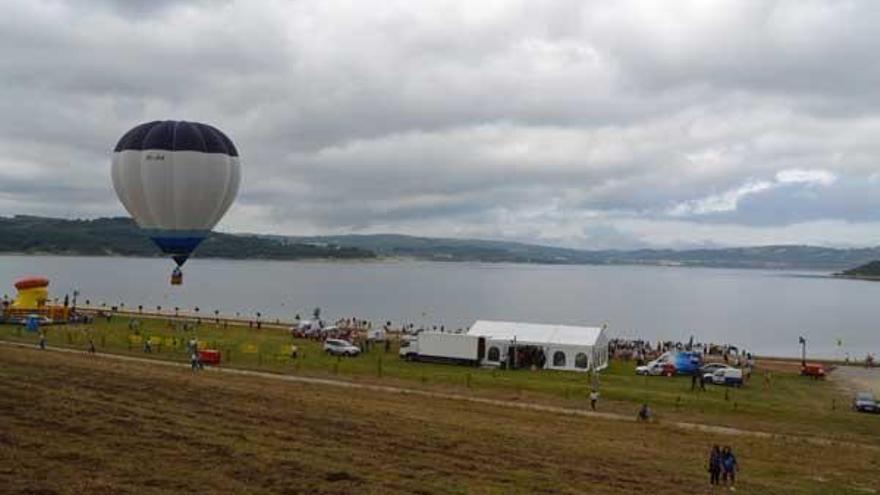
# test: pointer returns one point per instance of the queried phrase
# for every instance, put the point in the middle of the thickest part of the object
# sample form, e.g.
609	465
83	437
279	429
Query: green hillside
867	271
121	237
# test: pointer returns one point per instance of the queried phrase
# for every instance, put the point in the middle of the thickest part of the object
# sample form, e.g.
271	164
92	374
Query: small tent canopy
565	347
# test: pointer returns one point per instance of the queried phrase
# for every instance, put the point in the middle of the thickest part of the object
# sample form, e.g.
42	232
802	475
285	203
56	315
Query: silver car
339	347
713	367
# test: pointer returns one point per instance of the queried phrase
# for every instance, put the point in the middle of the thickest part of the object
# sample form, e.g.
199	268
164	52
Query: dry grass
793	405
83	424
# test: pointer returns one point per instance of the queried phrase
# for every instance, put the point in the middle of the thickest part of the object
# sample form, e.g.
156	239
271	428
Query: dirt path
476	400
857	379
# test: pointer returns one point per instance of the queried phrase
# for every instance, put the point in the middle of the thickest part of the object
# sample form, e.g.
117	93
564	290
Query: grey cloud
577	123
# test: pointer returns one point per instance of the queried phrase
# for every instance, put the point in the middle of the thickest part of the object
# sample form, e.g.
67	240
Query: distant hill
868	271
439	249
122	237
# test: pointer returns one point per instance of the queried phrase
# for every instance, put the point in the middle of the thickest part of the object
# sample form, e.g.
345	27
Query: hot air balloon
176	179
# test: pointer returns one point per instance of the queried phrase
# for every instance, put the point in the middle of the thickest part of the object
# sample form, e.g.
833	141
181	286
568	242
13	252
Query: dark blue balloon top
176	135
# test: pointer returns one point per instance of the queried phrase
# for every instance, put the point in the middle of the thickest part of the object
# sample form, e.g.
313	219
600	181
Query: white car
338	347
654	368
713	367
731	377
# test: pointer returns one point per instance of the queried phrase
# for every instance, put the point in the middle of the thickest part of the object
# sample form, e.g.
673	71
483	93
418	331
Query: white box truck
442	347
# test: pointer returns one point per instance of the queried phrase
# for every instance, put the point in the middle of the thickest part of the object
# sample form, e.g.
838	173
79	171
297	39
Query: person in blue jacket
729	467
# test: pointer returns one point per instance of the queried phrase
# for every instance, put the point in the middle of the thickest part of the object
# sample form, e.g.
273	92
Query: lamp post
514	352
803	342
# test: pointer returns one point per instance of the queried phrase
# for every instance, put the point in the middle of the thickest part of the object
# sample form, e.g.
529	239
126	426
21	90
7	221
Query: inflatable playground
31	303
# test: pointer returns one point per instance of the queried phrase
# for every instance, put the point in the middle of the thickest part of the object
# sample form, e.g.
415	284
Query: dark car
865	402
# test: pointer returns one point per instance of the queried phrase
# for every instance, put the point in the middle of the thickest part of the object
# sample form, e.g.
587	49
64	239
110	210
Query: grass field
74	423
792	404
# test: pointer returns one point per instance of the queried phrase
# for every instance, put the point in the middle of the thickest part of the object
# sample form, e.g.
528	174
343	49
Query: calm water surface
762	310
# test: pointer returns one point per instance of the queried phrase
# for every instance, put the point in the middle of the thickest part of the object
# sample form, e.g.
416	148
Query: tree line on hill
122	237
867	271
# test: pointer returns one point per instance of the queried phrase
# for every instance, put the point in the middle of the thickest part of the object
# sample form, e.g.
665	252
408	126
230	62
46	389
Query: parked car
732	377
712	367
656	368
338	347
816	371
865	402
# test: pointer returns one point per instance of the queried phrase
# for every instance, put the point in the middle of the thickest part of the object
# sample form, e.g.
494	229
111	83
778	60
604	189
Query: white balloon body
176	195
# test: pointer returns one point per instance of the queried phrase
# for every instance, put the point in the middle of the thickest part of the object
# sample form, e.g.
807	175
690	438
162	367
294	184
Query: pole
514	352
803	343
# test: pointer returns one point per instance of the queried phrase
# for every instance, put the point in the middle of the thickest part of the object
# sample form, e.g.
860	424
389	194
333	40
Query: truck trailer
440	347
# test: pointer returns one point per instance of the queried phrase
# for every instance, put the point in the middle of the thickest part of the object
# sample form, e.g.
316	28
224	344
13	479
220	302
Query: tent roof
536	333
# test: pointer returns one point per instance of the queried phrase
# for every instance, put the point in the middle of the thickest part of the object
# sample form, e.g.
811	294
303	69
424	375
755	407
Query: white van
732	377
376	335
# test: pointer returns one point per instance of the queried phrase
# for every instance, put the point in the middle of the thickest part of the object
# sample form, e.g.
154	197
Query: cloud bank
584	124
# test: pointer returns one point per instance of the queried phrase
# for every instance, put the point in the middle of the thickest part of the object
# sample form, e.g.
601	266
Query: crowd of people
643	351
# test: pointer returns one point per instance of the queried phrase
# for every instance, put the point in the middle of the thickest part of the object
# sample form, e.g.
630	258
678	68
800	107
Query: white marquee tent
565	347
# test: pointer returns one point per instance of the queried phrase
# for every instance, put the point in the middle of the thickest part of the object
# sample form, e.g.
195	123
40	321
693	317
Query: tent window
559	359
580	361
494	354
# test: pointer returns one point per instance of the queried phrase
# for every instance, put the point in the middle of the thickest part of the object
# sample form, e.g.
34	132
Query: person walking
194	362
594	398
42	341
91	346
729	467
714	466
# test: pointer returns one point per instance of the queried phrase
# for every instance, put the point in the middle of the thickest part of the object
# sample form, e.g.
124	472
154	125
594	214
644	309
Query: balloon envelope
177	179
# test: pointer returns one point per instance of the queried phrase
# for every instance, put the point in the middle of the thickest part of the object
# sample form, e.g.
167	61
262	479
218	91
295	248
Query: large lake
764	311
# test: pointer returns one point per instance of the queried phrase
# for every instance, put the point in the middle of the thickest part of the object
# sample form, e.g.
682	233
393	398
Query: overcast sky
608	124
